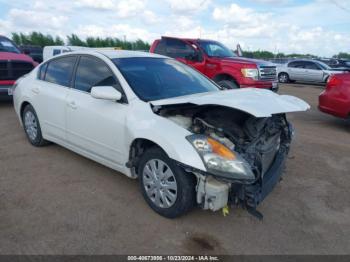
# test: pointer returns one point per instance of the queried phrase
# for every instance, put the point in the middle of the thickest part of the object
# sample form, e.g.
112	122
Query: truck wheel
227	84
32	127
167	189
283	78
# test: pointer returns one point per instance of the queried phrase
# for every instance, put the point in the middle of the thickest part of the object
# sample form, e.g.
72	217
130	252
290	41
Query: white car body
104	130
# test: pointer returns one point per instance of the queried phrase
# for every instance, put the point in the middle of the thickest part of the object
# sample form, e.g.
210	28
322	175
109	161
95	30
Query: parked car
34	51
338	64
305	70
13	64
218	62
156	119
335	100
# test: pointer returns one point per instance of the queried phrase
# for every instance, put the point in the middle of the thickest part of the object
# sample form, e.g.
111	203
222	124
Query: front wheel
167	189
283	78
227	84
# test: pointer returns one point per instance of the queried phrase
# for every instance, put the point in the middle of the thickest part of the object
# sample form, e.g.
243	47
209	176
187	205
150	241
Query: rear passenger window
178	49
59	71
93	72
161	48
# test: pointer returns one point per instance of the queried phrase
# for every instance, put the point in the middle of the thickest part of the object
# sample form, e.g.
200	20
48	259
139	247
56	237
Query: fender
145	124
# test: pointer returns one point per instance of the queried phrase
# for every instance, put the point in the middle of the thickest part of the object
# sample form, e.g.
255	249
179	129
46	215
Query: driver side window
93	72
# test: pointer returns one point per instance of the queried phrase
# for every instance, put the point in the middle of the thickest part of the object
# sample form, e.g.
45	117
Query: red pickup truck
13	65
218	62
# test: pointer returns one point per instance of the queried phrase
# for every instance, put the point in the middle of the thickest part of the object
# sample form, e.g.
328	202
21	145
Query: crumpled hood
254	101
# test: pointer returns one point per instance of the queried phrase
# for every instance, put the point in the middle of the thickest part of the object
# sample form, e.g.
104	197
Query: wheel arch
137	147
23	105
282	72
225	76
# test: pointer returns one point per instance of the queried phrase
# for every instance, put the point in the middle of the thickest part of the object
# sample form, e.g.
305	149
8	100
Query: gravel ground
53	201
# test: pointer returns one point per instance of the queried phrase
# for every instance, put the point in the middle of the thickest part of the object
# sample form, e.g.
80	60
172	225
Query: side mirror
26	51
106	93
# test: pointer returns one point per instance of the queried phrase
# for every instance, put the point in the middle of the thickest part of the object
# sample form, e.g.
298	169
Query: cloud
94	4
117	30
271	2
125	9
188	6
239	16
286	25
29	19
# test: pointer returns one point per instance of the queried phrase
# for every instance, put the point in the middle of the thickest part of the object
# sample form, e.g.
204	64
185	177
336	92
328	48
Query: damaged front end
244	155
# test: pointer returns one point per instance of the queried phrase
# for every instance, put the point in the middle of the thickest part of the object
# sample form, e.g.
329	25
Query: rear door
51	89
313	72
96	127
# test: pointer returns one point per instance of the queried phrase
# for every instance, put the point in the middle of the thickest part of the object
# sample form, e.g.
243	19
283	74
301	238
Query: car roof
304	60
188	39
117	53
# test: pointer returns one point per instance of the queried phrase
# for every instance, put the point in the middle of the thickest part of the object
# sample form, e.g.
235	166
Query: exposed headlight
250	72
220	160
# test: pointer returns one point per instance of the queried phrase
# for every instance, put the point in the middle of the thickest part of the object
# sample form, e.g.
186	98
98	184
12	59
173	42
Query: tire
227	84
32	127
283	78
176	193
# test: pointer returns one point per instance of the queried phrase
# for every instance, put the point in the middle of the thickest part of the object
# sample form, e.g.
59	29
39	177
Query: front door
96	126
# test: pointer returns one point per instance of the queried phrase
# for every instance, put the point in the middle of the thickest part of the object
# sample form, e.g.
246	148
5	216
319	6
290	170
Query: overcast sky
321	27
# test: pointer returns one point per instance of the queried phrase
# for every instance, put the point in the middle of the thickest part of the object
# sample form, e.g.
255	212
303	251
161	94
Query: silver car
305	71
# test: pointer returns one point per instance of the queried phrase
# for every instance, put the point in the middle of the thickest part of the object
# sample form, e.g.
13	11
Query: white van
50	51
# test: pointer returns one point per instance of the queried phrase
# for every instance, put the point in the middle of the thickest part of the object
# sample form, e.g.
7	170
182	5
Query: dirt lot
53	201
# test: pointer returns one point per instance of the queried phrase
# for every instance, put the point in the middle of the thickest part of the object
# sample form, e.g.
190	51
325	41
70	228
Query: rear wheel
283	78
32	127
167	189
228	84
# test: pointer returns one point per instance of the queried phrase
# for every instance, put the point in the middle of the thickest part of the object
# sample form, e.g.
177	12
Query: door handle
35	90
72	105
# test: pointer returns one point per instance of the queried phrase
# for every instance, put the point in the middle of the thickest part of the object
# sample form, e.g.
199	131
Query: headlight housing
220	160
250	72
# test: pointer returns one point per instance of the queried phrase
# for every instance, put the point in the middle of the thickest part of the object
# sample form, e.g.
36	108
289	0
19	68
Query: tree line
39	39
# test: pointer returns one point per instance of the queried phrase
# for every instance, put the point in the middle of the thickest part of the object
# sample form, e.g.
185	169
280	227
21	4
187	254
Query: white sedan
158	120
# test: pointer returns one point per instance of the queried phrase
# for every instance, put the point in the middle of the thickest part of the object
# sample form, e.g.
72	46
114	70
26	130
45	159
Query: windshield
324	66
216	49
8	46
160	78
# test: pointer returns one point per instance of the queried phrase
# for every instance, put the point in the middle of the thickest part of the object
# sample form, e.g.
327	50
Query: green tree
75	40
342	55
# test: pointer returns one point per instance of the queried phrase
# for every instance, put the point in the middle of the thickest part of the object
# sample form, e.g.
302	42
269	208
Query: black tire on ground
283	78
185	183
227	84
35	140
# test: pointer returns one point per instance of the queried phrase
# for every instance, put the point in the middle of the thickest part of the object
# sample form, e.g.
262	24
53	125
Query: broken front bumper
250	196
